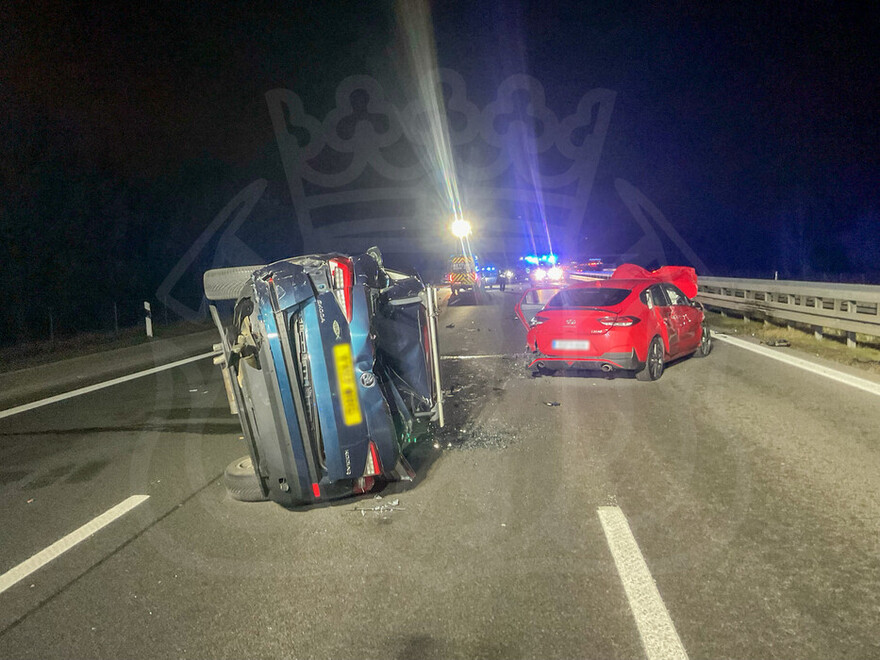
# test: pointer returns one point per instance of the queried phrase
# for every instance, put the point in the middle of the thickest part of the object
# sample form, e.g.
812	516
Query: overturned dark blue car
331	363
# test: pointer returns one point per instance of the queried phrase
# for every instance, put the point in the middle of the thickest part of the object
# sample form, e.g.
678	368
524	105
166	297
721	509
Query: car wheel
705	346
654	364
546	371
242	482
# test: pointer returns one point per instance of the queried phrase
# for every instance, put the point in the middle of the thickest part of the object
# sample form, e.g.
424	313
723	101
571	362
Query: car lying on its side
635	321
331	363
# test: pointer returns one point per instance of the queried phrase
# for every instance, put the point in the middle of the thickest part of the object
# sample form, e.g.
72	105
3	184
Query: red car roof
684	277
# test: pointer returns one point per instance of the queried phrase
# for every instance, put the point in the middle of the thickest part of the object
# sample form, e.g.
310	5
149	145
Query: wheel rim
704	342
655	360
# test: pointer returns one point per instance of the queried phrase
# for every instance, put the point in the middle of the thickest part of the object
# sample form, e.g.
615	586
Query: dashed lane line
25	568
659	637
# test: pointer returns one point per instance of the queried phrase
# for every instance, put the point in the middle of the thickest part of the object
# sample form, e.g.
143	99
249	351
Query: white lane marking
659	638
62	545
854	381
475	357
99	386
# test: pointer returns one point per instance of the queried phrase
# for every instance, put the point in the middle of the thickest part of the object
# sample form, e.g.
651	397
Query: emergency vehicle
462	274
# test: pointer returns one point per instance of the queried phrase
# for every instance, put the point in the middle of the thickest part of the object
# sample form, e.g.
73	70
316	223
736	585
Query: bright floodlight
461	228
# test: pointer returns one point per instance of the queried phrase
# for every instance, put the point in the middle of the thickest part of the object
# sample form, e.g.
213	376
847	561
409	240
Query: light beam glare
417	34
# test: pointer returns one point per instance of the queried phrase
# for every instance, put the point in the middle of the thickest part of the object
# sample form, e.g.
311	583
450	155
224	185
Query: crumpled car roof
684	277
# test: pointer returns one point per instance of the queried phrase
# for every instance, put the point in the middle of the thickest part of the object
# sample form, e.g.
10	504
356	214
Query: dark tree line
76	238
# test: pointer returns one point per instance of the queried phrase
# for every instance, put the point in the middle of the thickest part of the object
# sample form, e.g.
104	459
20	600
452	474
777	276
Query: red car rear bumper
621	361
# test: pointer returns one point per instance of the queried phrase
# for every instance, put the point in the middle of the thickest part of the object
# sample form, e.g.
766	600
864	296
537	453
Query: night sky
127	129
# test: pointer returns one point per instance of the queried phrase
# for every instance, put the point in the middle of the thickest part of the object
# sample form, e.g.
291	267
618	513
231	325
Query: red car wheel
654	364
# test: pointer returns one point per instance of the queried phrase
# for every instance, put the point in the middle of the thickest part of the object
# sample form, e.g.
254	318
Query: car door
533	301
662	312
686	319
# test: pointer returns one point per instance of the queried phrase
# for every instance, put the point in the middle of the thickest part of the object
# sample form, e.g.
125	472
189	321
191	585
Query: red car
636	321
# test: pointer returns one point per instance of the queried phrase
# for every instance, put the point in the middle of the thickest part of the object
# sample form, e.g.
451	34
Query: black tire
654	364
705	346
546	371
242	482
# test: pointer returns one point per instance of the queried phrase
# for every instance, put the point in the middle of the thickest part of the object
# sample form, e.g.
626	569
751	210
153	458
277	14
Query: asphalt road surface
751	488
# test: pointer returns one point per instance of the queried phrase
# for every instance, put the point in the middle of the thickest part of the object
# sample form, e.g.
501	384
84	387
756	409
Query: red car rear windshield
588	298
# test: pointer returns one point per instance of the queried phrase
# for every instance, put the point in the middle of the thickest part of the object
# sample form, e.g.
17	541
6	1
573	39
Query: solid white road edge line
833	374
659	637
99	386
62	545
474	357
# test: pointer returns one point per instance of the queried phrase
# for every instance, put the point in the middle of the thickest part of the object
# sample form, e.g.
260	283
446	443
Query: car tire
242	482
654	364
546	371
705	346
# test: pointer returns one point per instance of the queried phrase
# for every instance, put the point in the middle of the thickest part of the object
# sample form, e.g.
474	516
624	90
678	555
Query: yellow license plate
351	404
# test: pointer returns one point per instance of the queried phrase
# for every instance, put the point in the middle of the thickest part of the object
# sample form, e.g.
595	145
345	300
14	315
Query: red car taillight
342	280
374	463
619	321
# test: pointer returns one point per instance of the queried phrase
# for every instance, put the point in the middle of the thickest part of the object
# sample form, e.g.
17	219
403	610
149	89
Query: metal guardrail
852	308
588	275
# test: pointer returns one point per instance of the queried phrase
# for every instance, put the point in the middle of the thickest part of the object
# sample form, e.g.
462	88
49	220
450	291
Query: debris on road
382	507
454	389
777	342
450	325
552	403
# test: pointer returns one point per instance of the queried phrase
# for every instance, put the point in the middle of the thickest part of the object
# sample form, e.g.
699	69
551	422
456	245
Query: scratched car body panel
332	365
611	324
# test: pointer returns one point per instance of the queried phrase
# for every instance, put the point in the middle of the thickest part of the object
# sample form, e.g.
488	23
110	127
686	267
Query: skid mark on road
659	637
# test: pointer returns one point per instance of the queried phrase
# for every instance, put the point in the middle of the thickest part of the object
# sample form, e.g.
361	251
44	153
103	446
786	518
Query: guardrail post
148	318
851	340
817	332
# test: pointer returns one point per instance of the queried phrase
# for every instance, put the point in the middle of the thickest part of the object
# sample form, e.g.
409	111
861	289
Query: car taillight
619	321
342	279
374	464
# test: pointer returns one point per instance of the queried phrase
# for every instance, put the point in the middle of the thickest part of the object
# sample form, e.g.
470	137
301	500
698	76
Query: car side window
676	297
658	295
